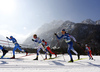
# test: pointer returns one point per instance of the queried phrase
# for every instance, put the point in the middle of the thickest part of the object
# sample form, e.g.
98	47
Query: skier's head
11	37
34	36
86	45
63	31
43	40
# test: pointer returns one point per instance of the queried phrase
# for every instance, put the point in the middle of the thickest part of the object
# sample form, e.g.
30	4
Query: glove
7	37
32	39
19	46
55	34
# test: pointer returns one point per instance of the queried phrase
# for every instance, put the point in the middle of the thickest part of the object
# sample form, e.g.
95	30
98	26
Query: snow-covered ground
60	64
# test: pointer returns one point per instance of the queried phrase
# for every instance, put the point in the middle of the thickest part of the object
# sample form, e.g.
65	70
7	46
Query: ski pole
81	47
42	56
63	57
8	43
60	46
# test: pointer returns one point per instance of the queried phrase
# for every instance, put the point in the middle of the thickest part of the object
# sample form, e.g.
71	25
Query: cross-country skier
4	51
88	50
47	48
16	46
67	39
40	46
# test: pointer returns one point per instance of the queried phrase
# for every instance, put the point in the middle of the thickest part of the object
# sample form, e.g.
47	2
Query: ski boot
50	56
26	53
45	58
13	57
36	58
55	55
78	56
71	60
91	58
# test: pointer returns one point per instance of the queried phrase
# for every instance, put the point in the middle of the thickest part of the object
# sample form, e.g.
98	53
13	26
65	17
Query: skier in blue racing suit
67	39
16	46
4	51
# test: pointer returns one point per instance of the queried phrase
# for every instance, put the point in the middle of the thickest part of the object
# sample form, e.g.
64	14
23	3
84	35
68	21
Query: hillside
83	32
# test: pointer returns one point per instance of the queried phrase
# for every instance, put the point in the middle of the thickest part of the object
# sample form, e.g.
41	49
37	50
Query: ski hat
85	44
11	36
43	40
35	35
63	29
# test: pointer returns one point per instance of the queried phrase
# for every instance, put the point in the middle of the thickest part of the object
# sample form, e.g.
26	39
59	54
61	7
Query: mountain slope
84	33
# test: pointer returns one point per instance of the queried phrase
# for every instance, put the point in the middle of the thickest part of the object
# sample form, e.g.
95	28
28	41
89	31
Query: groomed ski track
27	64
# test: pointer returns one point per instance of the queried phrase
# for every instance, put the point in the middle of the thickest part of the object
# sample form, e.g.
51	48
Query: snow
88	21
59	64
98	22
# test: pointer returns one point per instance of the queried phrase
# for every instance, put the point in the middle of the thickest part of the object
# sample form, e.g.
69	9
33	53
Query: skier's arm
58	36
45	43
73	38
8	38
34	40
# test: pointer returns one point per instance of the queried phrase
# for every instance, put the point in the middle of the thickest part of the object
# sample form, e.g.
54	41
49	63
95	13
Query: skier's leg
74	51
45	51
49	51
4	52
69	49
90	55
38	49
48	48
14	51
19	47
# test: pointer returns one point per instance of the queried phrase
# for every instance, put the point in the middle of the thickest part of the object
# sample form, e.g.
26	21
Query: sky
19	18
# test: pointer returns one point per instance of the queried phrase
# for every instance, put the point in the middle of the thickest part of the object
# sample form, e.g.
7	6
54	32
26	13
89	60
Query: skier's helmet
11	37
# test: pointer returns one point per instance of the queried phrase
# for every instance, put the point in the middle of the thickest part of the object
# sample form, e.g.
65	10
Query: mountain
98	22
89	21
44	32
84	33
2	38
49	26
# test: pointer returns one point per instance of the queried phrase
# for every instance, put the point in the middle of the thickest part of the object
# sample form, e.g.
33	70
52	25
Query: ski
18	57
25	55
77	60
52	58
4	58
